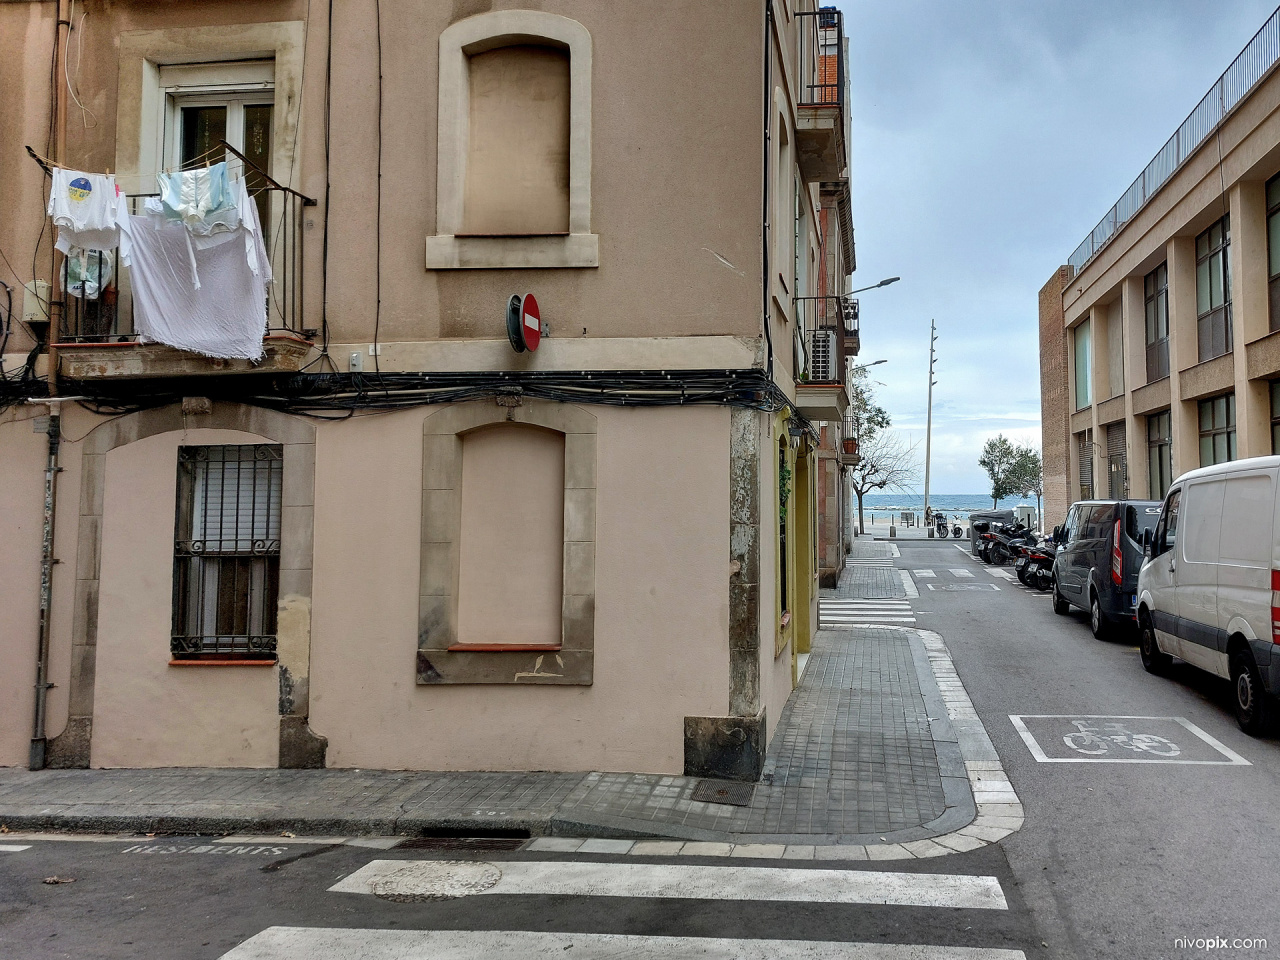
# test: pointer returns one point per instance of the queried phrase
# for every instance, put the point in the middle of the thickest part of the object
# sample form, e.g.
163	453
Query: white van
1209	592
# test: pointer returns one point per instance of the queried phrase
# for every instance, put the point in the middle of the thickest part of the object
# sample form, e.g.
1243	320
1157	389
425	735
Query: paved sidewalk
865	753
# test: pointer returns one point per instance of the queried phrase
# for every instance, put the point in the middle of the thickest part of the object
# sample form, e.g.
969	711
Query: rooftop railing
1253	63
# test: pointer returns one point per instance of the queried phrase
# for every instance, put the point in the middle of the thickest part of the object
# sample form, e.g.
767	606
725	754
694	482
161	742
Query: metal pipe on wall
36	760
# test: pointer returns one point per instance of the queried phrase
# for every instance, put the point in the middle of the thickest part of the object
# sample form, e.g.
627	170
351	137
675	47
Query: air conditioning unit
822	356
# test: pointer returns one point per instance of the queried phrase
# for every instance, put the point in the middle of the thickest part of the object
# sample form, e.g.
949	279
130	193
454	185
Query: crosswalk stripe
14	847
675	881
867	620
843	602
924	573
323	943
962	573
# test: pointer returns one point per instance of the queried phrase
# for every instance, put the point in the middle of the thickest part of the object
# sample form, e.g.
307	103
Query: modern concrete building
396	540
1160	338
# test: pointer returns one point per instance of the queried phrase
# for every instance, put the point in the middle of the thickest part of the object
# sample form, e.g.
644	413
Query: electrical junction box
35	301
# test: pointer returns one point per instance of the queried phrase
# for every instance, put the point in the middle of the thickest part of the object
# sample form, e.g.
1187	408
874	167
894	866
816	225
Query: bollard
931	533
893	532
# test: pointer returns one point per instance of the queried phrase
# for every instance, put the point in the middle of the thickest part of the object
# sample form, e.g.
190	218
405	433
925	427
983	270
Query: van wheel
1252	708
1060	606
1098	622
1154	660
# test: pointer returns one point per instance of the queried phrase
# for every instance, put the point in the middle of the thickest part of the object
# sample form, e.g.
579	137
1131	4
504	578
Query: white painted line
962	573
867	619
697	882
908	584
924	573
324	943
1233	759
944	588
848	602
276	839
14	847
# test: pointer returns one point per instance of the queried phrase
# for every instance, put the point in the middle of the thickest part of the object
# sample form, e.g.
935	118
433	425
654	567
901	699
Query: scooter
1006	541
1035	566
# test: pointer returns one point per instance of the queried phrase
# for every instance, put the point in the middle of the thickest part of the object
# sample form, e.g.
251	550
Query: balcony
847	454
828	334
822	106
95	336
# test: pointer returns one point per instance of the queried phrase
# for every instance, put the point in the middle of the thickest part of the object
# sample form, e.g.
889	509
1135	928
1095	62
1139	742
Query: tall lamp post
928	423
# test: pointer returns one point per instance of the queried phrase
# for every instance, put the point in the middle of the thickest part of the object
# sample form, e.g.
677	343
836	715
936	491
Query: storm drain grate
462	843
724	791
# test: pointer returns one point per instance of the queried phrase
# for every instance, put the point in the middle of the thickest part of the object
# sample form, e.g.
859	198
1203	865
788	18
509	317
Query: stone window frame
440	657
299	746
140	127
489	31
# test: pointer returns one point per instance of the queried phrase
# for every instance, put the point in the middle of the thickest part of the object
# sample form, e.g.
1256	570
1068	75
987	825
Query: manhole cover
462	843
724	791
435	880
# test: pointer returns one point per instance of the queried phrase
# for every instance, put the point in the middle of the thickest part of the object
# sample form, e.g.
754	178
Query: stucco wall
146	712
661	607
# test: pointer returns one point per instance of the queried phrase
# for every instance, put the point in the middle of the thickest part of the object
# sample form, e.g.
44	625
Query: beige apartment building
398	535
1160	338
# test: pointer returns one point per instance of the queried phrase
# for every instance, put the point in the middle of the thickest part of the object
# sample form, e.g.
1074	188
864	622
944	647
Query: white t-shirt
86	208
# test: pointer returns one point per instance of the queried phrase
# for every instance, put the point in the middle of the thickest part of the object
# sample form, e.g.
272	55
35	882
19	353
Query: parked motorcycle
1007	540
940	525
1035	565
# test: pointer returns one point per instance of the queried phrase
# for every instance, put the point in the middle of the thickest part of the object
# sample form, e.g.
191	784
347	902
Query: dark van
1099	552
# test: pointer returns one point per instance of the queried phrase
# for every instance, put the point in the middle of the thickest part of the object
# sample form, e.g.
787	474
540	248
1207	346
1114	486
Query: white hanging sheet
203	294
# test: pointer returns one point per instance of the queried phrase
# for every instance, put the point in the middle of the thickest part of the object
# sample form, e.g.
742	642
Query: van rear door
1195	577
1244	545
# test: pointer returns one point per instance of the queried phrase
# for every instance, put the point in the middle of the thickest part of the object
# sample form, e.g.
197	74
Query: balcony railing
92	303
828	325
847	442
821	78
1237	81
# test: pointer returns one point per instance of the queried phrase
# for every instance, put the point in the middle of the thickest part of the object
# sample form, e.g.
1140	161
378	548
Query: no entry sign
524	323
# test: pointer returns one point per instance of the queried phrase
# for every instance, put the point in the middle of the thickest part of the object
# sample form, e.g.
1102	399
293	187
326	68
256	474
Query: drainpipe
47	561
765	226
51	471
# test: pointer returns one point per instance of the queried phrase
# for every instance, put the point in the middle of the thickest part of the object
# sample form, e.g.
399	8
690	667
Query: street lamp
882	283
864	366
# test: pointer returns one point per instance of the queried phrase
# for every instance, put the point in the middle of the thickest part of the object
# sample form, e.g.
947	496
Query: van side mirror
1057	534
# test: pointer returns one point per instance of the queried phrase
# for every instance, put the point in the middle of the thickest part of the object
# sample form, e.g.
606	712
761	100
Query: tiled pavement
863	754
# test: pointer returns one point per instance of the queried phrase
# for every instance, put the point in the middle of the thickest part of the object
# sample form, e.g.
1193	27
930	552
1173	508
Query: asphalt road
1115	859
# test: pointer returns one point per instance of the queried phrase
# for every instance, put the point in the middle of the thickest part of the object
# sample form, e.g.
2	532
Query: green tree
868	417
880	465
1028	475
887	462
999	458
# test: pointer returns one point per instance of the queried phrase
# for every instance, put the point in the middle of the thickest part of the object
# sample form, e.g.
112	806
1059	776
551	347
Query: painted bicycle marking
1097	739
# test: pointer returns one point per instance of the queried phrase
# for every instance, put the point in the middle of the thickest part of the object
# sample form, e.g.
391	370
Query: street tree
999	458
888	462
1028	475
867	416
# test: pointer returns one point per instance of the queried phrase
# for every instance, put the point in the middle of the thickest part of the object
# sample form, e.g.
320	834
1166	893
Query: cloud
989	137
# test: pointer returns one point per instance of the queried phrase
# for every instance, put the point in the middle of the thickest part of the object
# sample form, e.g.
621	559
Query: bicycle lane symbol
1098	739
1085	738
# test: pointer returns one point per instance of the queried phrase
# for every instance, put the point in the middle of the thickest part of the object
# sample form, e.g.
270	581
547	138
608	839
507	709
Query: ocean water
949	503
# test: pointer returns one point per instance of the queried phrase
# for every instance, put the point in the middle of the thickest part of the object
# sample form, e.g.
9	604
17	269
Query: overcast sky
989	138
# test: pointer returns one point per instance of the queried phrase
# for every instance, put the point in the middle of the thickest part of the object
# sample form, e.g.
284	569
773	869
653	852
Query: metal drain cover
731	792
462	843
419	880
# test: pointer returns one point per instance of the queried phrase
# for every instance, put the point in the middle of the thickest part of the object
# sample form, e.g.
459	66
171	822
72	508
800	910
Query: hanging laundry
203	294
202	199
86	273
87	209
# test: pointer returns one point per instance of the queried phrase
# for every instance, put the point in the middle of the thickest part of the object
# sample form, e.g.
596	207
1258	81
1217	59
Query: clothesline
47	165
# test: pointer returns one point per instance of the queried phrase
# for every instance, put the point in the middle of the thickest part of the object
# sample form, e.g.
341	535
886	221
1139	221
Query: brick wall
1055	430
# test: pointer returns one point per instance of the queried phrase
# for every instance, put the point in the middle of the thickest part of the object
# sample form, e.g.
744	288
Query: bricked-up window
1218	430
1160	453
226	563
1156	290
1273	250
1213	290
1084	368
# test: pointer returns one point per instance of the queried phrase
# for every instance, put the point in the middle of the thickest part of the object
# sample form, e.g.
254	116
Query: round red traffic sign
530	322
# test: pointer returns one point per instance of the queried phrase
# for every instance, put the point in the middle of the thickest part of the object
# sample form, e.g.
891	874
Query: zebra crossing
838	612
868	561
413	883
